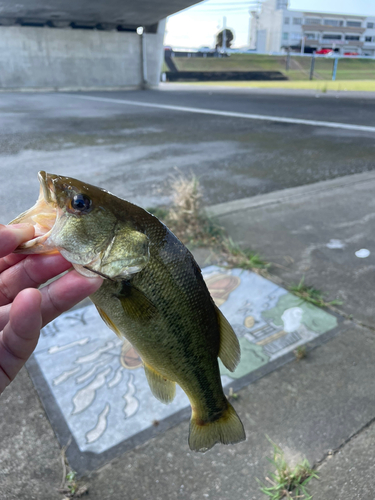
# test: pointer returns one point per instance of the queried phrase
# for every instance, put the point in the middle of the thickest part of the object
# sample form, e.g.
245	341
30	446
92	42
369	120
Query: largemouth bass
153	294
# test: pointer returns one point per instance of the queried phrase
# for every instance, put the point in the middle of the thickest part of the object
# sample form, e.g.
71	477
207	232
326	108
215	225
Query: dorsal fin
229	351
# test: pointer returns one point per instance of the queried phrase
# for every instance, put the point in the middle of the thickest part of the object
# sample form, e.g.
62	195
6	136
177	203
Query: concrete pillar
74	59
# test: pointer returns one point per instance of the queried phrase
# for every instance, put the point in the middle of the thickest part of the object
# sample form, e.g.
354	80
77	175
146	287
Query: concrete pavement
322	407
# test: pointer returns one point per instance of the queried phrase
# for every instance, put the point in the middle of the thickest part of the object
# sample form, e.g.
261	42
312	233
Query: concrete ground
322	407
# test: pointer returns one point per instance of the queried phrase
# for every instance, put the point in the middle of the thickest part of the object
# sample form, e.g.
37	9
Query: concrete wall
47	58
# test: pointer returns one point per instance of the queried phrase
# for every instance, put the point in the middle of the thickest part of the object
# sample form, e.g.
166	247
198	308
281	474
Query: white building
277	28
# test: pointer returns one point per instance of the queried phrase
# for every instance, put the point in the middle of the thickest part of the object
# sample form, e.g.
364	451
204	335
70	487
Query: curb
289	194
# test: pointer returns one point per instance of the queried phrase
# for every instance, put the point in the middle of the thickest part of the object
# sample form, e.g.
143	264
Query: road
131	143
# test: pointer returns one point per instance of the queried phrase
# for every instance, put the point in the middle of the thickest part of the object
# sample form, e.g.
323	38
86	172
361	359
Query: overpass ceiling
119	12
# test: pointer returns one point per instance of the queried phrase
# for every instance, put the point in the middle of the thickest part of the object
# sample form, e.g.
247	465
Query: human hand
24	310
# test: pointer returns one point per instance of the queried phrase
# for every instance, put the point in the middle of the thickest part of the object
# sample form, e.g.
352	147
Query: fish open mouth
42	216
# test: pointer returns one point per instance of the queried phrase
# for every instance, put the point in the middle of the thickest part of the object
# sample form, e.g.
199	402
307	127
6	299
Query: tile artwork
98	382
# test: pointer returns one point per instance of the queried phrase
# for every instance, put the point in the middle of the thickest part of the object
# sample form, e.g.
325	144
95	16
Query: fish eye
81	203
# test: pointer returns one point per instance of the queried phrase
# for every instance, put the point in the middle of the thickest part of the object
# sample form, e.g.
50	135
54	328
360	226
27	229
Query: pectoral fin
162	388
229	351
135	304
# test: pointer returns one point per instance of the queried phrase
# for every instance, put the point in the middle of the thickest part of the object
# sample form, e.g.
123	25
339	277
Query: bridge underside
102	14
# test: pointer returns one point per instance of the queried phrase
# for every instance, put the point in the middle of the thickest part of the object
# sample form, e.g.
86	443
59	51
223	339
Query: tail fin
228	429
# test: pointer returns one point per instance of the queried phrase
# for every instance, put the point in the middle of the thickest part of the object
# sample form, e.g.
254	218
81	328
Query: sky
196	27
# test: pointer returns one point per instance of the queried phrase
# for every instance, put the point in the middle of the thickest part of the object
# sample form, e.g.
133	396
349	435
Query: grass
300	352
348	68
311	294
318	85
287	482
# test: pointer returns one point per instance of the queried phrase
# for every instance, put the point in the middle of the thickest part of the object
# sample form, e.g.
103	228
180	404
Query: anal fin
162	388
229	351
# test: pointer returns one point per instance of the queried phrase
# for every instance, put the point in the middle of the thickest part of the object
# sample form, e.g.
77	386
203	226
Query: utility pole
287	65
303	45
335	63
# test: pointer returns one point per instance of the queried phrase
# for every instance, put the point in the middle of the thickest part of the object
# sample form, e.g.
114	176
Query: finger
20	336
10	260
74	290
12	236
66	292
30	273
4	315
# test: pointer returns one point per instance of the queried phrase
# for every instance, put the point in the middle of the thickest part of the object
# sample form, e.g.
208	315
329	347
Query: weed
311	294
286	481
242	258
232	394
71	482
300	352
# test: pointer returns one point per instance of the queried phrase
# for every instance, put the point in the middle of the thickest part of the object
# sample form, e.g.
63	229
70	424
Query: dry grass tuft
187	220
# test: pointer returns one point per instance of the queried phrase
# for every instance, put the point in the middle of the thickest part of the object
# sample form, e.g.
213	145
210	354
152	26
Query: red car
324	52
351	54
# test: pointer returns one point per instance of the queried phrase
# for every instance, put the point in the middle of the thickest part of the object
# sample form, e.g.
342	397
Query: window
333	22
368	38
286	20
353	24
285	36
310	36
370	25
352	37
295	36
281	4
297	20
312	20
331	37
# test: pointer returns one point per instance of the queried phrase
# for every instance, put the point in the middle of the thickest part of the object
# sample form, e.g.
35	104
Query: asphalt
321	408
133	151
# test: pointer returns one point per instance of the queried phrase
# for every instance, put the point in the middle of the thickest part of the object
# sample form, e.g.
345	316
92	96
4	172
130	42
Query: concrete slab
314	231
348	474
